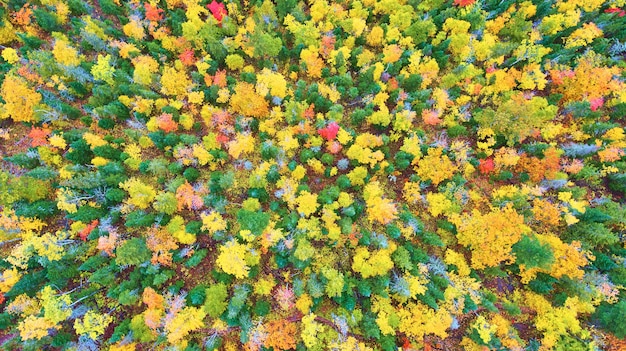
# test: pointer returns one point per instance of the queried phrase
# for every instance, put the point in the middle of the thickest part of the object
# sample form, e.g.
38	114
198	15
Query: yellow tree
92	324
20	100
247	102
491	235
185	321
141	195
379	209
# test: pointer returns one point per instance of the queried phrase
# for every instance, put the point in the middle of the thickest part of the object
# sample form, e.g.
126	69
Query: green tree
132	252
216	300
517	117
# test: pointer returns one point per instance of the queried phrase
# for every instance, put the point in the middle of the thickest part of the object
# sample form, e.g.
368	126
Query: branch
9	241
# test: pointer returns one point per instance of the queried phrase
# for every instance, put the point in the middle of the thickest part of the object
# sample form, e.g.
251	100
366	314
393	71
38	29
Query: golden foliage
20	100
282	335
491	235
379	209
435	166
247	102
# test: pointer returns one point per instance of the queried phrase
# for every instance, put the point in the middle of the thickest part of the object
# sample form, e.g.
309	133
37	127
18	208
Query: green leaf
532	253
132	252
255	222
216	303
197	295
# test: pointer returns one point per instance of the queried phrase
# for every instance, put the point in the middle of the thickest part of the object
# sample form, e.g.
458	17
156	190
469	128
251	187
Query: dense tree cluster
312	175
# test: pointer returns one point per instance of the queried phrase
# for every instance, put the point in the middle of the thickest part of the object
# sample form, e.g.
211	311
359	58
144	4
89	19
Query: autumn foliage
312	175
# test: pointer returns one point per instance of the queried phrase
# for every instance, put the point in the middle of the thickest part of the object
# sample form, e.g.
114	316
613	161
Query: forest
258	175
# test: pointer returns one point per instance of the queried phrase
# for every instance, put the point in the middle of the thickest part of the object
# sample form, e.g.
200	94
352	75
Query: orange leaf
486	166
187	197
83	234
431	117
309	113
220	78
208	79
393	84
166	123
187	57
153	13
464	3
328	45
22	17
39	136
221	118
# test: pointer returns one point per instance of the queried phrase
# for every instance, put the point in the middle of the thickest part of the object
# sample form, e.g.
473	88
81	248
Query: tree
247	102
235	259
371	264
530	252
379	209
216	300
307	203
282	335
165	202
435	166
265	45
33	327
176	227
103	70
187	197
132	252
141	195
161	243
254	221
606	315
92	324
174	82
20	101
213	222
185	321
517	117
491	236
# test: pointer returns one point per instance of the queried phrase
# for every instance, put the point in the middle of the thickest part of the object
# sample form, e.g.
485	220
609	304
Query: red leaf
218	10
619	12
83	234
222	139
596	103
330	131
406	344
486	166
463	3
